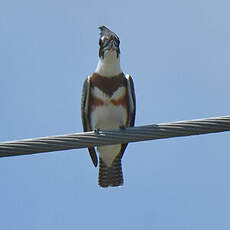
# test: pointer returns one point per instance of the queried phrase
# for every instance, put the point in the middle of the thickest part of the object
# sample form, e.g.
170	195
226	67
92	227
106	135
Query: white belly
108	116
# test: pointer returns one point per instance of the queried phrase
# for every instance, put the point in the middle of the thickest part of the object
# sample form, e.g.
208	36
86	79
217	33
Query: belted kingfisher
108	102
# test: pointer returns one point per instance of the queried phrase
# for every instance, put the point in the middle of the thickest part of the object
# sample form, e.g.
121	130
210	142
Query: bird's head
108	42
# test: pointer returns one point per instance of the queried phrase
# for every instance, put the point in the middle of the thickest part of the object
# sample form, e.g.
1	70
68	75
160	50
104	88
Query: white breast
108	116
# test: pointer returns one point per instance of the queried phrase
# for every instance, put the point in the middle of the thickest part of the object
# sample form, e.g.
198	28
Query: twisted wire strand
108	137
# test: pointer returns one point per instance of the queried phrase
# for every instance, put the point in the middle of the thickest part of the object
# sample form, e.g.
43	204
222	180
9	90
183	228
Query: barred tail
110	176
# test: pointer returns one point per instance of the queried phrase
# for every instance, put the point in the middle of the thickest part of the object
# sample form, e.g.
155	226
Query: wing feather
131	109
85	116
132	100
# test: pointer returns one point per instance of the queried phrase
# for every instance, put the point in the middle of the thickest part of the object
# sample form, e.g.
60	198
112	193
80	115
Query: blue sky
178	53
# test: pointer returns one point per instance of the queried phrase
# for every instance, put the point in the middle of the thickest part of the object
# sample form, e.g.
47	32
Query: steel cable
108	137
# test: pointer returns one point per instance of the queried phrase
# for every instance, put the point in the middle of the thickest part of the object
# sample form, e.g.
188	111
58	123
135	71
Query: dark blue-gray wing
85	98
132	101
131	109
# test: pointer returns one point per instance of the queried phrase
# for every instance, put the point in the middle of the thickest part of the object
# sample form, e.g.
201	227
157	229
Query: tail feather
110	176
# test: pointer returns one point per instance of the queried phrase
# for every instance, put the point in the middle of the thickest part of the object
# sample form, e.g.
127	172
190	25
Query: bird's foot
122	127
96	131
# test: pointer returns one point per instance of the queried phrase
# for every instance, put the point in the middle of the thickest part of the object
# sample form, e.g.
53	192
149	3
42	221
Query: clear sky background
178	53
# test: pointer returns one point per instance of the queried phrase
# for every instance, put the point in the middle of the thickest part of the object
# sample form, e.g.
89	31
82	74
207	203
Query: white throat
109	65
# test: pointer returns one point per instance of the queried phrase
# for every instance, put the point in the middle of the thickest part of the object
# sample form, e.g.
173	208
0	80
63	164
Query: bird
108	102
